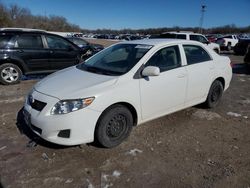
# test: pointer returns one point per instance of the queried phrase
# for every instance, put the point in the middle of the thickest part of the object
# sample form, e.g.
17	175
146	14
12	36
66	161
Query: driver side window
166	59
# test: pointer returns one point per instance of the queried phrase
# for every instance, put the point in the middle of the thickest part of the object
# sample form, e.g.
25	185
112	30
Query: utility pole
203	9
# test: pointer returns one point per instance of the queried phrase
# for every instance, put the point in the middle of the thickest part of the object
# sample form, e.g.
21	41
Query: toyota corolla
125	85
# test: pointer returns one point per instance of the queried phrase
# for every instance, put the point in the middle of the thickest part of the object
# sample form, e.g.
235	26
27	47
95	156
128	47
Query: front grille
38	105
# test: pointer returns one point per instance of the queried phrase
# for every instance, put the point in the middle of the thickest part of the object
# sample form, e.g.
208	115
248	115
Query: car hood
72	83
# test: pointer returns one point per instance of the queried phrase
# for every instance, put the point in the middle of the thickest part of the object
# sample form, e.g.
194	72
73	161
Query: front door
164	93
62	53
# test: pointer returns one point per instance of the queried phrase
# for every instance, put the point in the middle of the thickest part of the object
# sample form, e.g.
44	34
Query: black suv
33	52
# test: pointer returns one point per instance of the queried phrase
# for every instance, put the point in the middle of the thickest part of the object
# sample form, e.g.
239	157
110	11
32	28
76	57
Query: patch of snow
116	174
69	180
90	185
246	101
2	148
234	114
204	114
134	152
158	142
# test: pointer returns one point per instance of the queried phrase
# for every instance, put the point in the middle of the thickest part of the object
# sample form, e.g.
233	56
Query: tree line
15	16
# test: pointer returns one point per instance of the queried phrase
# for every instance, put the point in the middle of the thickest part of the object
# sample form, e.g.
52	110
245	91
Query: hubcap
9	74
116	126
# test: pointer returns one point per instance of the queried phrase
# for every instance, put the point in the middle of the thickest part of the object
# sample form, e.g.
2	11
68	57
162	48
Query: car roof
159	42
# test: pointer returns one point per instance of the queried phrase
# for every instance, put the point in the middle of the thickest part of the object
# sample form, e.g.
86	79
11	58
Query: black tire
215	94
10	74
229	47
114	126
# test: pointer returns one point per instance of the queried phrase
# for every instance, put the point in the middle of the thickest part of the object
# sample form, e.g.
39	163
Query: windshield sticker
143	46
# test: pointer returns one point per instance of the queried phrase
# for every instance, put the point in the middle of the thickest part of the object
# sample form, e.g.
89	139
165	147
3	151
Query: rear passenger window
166	59
180	36
4	40
29	41
195	54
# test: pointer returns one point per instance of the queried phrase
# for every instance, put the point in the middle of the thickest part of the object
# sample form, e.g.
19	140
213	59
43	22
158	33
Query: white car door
164	93
200	67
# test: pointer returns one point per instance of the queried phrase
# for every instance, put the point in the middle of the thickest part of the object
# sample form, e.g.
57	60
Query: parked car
25	52
191	36
247	58
241	47
87	48
125	85
227	42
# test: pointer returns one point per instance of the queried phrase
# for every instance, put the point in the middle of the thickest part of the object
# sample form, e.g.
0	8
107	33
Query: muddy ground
195	147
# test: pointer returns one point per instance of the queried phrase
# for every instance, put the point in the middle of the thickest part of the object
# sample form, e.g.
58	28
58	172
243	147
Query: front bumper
79	124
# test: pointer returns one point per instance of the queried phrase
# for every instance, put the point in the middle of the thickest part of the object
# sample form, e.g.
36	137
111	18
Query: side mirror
151	71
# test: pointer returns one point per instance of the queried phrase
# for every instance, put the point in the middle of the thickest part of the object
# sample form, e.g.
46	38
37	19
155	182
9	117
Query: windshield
78	41
116	60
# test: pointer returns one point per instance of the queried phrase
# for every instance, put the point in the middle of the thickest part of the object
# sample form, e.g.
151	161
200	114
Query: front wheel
114	126
10	74
215	94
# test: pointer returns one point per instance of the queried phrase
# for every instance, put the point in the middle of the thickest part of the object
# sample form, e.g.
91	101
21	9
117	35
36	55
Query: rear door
200	68
30	49
62	53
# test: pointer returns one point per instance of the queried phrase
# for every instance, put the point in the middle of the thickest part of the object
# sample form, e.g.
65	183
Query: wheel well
222	80
229	43
13	62
131	109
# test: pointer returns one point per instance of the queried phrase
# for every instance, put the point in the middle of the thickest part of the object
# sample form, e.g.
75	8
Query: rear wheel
229	47
10	74
114	126
215	94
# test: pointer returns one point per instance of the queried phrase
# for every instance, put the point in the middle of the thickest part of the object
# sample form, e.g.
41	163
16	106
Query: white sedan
123	86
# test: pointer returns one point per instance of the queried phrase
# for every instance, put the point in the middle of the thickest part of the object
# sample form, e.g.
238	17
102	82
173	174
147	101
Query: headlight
67	106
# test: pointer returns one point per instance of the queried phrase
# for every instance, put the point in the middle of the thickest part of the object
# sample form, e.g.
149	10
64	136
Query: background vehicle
127	84
25	52
191	36
87	48
241	47
247	58
227	42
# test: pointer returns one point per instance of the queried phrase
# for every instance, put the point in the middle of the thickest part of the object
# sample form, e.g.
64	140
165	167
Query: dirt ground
195	147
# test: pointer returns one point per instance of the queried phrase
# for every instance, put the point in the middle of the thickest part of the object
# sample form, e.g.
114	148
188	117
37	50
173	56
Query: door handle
182	75
20	51
51	51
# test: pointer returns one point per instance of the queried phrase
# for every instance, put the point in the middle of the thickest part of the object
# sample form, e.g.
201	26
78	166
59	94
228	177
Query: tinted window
198	38
58	43
168	35
29	41
181	36
4	40
195	54
166	59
